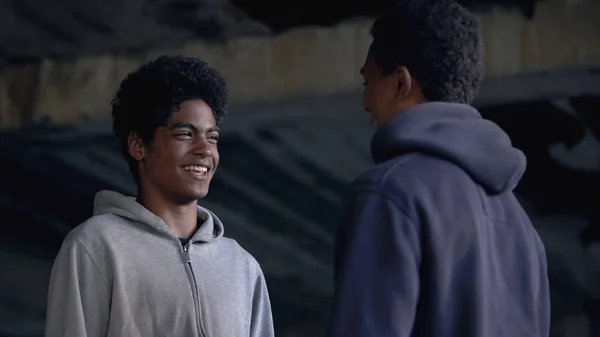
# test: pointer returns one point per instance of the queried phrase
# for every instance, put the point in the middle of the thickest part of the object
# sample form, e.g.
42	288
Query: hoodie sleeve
78	300
262	319
376	270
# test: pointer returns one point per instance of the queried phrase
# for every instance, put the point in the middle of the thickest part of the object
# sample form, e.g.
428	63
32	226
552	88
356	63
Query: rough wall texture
563	34
32	29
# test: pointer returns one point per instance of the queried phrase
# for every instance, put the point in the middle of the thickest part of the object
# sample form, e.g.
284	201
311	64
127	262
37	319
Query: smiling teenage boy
159	265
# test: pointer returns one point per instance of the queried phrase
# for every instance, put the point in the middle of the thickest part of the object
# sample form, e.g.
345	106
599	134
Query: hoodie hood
110	202
457	133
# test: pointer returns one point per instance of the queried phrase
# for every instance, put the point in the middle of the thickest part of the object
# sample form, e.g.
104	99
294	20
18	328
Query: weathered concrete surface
33	29
564	34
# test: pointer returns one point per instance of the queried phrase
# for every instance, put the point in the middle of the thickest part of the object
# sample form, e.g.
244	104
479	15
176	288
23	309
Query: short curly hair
438	41
148	97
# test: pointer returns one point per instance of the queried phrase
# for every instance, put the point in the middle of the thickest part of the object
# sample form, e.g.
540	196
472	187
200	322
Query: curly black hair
148	97
438	41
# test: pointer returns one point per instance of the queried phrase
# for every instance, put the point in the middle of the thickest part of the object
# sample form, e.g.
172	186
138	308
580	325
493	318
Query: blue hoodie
433	242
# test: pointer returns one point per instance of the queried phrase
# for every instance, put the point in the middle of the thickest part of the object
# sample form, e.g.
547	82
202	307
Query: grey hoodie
124	273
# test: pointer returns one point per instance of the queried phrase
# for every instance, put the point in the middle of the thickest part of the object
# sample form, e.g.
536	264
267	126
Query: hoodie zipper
188	261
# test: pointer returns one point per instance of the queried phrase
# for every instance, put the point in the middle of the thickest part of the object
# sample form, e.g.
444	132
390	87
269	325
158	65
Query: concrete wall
563	35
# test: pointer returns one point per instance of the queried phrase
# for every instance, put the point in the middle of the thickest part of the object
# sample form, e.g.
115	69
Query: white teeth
196	168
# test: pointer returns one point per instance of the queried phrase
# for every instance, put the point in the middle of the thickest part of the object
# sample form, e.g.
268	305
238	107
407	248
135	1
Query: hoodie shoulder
416	181
97	229
235	250
230	253
412	173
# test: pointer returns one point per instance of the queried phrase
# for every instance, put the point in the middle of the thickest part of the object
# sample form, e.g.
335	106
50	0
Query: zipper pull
186	254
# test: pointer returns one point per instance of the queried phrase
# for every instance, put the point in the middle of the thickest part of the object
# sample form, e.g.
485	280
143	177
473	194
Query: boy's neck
181	219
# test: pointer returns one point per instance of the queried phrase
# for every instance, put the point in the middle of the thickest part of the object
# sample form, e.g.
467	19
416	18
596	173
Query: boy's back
434	243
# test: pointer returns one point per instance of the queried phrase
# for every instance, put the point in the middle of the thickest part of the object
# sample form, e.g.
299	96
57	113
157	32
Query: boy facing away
433	242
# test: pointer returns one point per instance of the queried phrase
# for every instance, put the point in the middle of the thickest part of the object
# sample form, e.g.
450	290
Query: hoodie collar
116	203
457	133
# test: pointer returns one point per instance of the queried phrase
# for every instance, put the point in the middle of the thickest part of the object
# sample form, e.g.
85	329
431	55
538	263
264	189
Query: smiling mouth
197	170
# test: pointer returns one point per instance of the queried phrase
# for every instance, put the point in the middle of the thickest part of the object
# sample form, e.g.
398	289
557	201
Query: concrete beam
543	85
563	35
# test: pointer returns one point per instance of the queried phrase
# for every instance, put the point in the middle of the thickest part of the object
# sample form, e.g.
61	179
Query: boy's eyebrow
193	127
184	125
